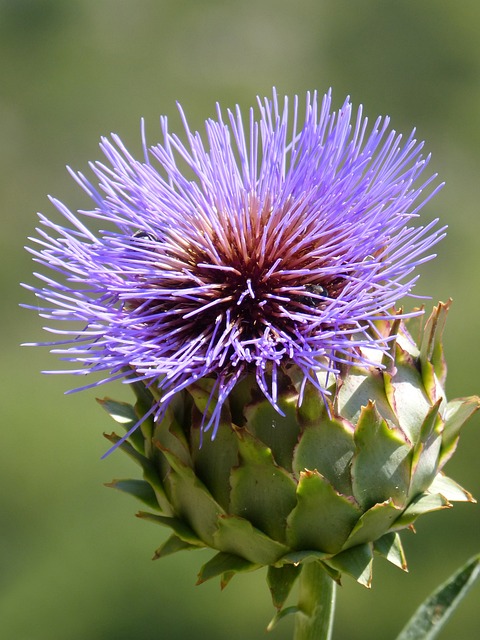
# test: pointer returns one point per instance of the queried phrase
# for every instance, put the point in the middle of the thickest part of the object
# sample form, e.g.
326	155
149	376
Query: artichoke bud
332	480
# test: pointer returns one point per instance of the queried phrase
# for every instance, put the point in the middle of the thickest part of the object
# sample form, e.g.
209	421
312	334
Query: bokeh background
74	561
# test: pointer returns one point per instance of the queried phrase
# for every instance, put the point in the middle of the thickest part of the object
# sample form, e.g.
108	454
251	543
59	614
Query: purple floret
245	250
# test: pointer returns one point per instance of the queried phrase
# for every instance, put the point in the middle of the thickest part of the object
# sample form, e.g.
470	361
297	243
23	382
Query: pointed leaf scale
172	545
414	325
431	348
124	414
447	451
457	412
430	618
426	452
328	447
154	481
222	563
430	423
193	502
449	489
280	615
191	497
138	489
410	401
168	435
147	426
427	465
262	492
279	433
373	524
391	330
237	535
280	581
424	503
357	390
381	466
226	578
390	547
335	574
149	472
356	562
131	451
430	381
182	530
121	412
322	519
213	459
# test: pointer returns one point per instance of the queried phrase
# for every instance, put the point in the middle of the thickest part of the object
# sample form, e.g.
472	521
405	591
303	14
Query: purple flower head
242	251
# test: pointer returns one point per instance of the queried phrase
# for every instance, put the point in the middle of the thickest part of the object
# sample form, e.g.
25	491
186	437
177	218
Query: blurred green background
74	562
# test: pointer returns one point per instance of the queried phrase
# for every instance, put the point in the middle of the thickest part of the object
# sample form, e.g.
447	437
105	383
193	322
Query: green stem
316	603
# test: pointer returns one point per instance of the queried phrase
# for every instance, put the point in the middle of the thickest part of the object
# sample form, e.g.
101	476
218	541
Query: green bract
328	483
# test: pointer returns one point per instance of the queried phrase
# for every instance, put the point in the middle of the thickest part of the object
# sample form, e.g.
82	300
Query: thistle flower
257	249
246	286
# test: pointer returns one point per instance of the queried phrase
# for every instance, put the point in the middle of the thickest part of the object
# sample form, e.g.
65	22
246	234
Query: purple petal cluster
263	243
